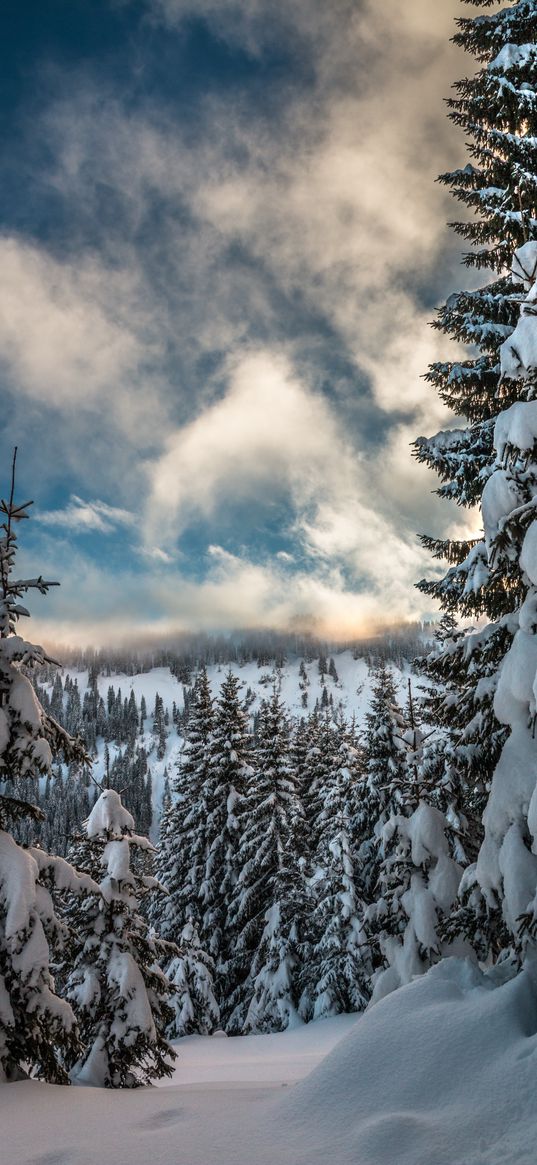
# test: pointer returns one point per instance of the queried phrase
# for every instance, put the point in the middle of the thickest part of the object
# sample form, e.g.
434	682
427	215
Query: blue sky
221	242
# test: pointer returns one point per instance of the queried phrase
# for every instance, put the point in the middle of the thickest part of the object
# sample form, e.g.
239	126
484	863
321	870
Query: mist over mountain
187	651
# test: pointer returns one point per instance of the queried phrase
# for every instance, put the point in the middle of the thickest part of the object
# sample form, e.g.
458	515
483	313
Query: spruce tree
184	842
303	731
268	912
417	883
506	868
159	727
320	749
225	790
37	1028
497	109
332	671
56	702
383	776
455	765
191	973
338	970
120	996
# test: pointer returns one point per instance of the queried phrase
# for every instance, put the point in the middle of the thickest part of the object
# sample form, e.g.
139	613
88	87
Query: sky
221	242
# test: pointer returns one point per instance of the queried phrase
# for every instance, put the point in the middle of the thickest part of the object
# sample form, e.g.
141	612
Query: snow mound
443	1070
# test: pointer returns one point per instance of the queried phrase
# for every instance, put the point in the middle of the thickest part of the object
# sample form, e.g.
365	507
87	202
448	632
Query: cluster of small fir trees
128	738
300	860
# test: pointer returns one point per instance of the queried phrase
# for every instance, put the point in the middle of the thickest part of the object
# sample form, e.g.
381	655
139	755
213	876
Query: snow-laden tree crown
487	670
38	1032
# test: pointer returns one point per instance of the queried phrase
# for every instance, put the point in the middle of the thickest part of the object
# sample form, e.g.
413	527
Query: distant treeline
186	653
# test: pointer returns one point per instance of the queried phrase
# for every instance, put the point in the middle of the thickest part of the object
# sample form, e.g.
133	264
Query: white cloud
269	434
156	554
337	201
254	23
56	336
234	594
77	336
84	517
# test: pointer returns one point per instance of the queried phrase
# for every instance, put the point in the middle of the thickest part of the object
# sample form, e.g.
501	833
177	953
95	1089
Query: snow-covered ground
216	1094
352	689
249	1061
442	1072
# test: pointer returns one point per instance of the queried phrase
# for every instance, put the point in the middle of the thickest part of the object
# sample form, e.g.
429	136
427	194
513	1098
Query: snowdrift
443	1071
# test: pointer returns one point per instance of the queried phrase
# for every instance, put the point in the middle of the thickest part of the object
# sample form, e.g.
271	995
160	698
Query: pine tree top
485	36
13	589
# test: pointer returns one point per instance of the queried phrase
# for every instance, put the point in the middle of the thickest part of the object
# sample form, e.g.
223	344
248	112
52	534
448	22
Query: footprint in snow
160	1120
53	1158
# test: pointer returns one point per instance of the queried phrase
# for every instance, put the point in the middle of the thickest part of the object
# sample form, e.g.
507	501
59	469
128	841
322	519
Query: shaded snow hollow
442	1072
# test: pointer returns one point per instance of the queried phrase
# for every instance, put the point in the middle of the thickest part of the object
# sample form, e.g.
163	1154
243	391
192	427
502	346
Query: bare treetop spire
12	589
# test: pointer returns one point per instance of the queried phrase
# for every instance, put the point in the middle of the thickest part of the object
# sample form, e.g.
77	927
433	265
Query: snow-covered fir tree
37	1028
338	970
268	912
457	761
226	788
302	741
489	461
412	849
506	869
183	842
159	727
119	993
191	973
418	880
384	766
181	866
320	750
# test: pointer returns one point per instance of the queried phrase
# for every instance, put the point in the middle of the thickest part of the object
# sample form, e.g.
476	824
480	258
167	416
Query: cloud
269	435
340	36
332	201
80	517
60	338
156	554
353	566
245	304
84	391
256	24
234	594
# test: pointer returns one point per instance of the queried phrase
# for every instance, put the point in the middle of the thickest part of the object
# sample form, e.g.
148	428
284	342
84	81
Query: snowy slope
352	690
442	1072
351	693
